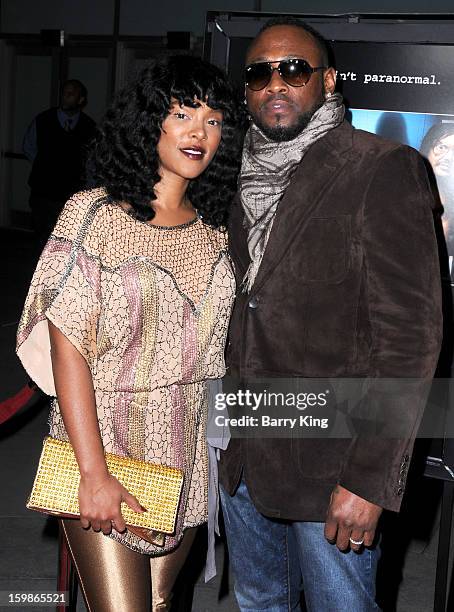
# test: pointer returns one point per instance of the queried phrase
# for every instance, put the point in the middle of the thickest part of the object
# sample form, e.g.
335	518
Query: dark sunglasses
295	72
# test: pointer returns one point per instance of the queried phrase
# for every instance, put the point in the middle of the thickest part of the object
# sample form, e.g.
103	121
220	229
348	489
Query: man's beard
283	133
70	108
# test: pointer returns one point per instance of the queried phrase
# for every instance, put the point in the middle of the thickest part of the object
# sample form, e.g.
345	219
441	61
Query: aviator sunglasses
295	72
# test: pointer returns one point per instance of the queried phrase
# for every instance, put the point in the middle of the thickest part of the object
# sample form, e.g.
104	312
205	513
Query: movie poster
405	92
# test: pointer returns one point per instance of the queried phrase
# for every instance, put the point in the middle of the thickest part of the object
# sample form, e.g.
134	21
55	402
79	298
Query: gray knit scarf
267	168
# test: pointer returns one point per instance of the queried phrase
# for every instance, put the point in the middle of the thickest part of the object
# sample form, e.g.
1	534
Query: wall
76	16
156	17
359	6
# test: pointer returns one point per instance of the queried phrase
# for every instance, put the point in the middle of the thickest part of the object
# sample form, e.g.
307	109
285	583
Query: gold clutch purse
157	487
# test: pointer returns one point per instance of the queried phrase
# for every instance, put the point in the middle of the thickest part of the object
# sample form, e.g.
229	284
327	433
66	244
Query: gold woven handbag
157	487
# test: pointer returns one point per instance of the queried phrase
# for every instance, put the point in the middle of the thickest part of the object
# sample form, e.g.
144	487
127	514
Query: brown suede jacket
349	286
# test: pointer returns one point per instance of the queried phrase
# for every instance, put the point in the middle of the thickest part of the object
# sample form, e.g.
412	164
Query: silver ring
356	542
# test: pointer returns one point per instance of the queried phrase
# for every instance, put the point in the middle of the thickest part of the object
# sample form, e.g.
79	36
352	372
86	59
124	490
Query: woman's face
189	139
441	156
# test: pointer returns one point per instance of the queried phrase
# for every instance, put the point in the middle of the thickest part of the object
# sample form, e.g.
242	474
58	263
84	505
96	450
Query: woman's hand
99	501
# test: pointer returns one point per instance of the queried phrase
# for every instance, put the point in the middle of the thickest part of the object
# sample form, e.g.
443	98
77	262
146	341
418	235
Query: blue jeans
272	560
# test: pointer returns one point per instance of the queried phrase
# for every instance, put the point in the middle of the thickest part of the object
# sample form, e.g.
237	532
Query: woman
438	148
132	295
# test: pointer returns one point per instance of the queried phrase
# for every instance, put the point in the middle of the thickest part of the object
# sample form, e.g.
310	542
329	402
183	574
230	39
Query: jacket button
253	303
400	491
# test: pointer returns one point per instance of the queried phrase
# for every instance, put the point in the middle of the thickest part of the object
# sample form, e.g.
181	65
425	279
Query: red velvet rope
10	406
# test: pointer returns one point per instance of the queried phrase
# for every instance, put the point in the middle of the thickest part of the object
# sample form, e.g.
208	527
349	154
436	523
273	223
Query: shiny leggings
114	578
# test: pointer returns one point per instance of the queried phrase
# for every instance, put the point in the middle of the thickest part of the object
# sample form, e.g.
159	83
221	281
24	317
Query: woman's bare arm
100	494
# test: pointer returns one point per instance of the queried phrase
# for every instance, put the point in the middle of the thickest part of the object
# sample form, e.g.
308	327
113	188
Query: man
336	261
56	143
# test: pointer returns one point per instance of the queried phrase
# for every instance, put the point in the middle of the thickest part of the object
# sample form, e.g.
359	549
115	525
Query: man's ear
329	80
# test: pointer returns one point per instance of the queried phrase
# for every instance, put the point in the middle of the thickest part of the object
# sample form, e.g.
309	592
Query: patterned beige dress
148	308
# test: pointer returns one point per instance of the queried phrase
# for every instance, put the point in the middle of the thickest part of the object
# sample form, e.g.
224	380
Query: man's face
280	110
71	99
441	156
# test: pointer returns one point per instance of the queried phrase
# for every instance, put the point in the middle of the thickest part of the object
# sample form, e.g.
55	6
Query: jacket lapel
238	238
320	167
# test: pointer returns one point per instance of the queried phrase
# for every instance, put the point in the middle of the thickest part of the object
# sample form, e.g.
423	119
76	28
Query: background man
336	260
55	143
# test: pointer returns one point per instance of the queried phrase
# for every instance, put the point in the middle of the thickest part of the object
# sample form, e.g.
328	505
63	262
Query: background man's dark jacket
349	286
58	170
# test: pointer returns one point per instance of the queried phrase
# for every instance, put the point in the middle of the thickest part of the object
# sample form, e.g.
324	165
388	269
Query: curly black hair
124	157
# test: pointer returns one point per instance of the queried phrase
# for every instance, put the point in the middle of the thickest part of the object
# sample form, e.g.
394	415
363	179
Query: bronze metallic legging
114	578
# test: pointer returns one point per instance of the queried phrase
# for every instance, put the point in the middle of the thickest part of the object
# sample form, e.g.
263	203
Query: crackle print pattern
148	308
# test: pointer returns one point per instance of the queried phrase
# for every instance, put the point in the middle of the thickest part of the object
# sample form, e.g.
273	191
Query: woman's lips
194	153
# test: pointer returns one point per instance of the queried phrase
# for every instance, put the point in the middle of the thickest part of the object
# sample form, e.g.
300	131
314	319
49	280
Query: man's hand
350	516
